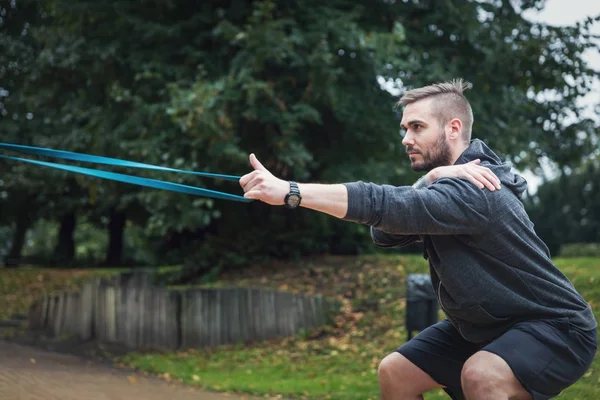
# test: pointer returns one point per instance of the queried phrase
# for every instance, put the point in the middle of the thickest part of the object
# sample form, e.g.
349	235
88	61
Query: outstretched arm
262	185
333	199
480	176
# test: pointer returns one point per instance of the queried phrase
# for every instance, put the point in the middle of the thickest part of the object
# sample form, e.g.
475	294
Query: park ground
333	362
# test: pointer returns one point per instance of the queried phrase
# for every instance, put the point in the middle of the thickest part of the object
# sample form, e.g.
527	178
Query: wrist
293	198
331	199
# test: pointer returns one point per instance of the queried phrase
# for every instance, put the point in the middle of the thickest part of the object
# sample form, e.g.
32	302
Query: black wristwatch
293	198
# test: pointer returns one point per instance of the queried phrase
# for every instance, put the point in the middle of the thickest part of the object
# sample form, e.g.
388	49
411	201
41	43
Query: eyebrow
412	122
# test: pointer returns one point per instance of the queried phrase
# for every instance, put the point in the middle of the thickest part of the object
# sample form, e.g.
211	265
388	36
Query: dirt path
32	374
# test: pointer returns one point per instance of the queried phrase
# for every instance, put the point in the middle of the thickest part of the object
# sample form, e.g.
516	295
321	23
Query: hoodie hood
479	150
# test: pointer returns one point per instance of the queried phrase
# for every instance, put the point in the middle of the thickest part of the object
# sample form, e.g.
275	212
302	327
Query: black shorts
545	356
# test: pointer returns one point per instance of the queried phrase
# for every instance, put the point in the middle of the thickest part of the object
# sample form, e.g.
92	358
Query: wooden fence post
131	311
86	312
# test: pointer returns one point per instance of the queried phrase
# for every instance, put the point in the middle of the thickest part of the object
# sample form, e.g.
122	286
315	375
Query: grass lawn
336	362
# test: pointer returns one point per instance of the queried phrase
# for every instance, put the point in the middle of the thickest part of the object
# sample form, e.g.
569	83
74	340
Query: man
516	328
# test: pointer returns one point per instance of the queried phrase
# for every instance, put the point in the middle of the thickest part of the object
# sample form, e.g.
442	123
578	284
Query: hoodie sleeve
448	207
390	240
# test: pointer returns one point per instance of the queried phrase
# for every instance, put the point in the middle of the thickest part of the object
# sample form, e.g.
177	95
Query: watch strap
294	189
294	192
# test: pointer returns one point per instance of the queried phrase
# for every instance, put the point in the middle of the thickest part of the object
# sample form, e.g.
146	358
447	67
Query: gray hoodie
488	267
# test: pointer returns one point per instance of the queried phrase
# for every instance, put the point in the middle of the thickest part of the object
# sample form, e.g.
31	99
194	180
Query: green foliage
580	250
567	209
526	76
90	242
200	85
5	240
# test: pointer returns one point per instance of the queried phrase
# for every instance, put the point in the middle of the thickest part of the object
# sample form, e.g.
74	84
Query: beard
438	156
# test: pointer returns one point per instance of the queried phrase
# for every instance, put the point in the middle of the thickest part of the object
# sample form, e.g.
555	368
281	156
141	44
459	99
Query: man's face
425	138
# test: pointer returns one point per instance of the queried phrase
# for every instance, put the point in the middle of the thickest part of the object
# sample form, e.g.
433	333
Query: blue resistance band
135	180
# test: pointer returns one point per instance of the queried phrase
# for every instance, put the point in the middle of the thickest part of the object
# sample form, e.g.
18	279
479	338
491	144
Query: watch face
293	200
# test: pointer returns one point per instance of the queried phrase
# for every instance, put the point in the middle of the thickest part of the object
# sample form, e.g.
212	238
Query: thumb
477	161
256	164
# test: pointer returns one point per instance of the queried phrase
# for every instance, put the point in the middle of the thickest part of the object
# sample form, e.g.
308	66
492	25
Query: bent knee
484	371
474	376
392	364
399	375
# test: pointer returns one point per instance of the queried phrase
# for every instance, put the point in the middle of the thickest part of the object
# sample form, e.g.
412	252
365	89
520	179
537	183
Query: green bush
580	250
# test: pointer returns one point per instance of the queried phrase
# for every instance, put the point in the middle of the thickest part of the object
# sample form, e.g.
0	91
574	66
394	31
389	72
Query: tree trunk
64	251
116	227
23	221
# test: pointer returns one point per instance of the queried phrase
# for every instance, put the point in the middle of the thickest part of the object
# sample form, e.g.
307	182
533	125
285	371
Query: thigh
440	351
546	356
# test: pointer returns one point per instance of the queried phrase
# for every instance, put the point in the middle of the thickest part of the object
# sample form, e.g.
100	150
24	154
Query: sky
568	12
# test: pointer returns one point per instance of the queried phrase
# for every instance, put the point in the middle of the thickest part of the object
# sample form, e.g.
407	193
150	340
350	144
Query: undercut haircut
449	103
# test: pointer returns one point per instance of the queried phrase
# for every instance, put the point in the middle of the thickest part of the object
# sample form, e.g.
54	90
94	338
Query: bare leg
486	376
400	379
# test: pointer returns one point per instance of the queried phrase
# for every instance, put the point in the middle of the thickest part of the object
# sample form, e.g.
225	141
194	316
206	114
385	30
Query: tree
199	85
526	76
567	209
127	76
17	55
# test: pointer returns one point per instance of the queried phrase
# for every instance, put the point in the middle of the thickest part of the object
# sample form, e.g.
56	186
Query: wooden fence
138	314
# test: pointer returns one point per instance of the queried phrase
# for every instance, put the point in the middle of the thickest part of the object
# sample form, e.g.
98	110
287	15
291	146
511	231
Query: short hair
450	102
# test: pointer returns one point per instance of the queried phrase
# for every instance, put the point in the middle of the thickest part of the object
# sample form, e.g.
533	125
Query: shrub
580	250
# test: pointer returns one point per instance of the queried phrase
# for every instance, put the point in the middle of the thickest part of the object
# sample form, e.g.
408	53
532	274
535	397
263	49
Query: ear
454	129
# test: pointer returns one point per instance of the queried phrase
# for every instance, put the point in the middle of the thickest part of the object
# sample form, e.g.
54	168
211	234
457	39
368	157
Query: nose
407	140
